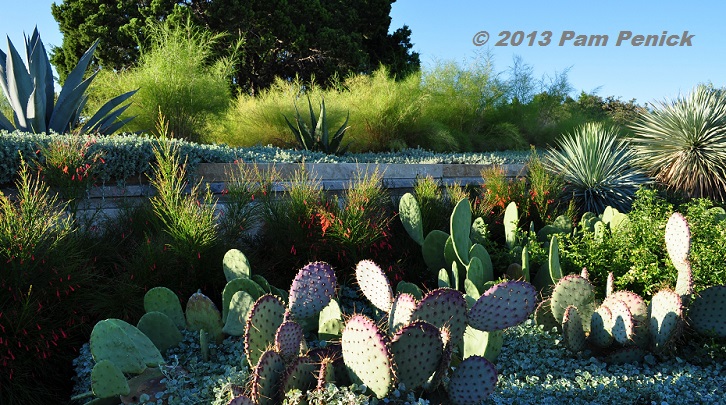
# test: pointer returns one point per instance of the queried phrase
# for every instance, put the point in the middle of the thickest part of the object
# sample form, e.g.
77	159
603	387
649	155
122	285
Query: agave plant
30	91
682	143
596	166
316	137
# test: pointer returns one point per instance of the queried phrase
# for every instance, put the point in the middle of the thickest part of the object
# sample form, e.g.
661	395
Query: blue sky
444	31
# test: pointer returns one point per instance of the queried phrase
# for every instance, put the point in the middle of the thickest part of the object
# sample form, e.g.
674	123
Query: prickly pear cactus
511	221
124	345
573	334
266	378
443	307
666	319
239	308
504	305
574	290
417	350
473	381
164	300
610	285
374	285
601	327
366	355
203	314
639	312
235	265
160	329
409	288
311	290
678	239
623	328
433	249
301	375
480	343
410	214
330	322
460	227
288	338
265	318
543	316
480	252
707	312
108	381
401	311
236	285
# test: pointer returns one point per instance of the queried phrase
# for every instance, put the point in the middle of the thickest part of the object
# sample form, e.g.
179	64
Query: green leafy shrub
596	166
175	77
681	143
636	253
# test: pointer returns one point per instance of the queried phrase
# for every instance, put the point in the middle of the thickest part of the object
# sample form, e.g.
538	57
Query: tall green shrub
176	78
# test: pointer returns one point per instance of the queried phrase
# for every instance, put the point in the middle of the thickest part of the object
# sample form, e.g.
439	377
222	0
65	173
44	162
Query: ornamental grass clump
43	275
682	143
597	168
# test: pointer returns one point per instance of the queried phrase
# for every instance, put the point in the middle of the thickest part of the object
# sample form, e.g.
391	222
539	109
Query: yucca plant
30	91
682	143
597	168
316	136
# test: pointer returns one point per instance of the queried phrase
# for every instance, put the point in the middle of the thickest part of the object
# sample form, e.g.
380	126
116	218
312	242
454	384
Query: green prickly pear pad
203	314
108	381
239	284
366	355
707	312
374	284
504	305
266	378
576	291
410	214
235	265
666	319
443	307
239	308
160	329
401	311
311	290
411	288
473	381
266	316
164	300
433	249
460	227
124	345
417	349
